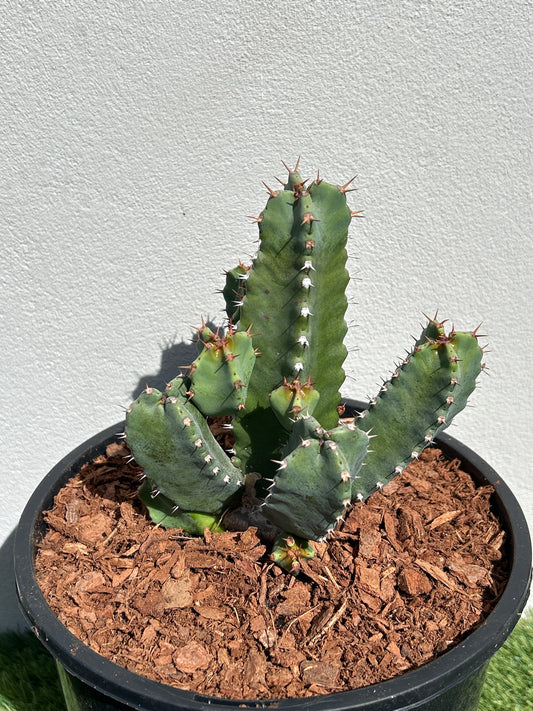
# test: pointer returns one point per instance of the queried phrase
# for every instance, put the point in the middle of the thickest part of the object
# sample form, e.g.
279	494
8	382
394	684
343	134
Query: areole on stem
277	371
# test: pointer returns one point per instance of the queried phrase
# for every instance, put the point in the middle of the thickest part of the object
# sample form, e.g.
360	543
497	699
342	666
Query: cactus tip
271	192
295	167
475	333
345	188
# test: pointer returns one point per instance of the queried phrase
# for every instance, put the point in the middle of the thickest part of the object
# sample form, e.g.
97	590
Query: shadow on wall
174	357
28	676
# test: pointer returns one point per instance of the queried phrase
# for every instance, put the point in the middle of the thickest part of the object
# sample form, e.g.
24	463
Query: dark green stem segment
186	469
295	304
277	371
314	480
423	396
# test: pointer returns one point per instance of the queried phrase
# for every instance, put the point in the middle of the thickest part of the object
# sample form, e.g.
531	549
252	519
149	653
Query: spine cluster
277	371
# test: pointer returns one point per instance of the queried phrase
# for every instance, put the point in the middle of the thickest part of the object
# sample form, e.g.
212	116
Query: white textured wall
133	139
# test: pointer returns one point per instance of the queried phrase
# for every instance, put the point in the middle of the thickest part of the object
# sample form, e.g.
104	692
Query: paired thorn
272	193
433	320
345	189
309	218
295	167
475	333
282	463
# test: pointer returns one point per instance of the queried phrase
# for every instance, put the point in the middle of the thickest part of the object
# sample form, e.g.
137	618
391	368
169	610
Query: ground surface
409	573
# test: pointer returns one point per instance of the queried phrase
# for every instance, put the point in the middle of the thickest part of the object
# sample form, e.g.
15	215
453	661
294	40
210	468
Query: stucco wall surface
134	138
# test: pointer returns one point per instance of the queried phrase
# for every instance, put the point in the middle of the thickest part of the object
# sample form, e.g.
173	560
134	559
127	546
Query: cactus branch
276	372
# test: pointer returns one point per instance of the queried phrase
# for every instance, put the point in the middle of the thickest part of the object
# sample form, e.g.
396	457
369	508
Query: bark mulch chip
409	573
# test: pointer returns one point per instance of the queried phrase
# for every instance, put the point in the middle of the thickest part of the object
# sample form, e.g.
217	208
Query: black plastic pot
452	681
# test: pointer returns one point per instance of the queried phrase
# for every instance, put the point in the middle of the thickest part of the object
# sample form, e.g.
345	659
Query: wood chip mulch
409	573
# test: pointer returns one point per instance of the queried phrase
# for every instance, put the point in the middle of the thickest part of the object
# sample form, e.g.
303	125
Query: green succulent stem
277	371
295	302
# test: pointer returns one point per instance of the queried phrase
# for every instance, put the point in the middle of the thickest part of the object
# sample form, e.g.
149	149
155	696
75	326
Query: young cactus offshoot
276	370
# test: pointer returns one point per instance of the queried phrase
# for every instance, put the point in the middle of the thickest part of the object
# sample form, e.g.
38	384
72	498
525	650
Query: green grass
28	675
29	680
509	685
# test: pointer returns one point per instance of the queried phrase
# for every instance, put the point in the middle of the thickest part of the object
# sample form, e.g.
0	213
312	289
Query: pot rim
128	687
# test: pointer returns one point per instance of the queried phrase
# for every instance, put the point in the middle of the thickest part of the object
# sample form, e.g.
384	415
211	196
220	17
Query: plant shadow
174	357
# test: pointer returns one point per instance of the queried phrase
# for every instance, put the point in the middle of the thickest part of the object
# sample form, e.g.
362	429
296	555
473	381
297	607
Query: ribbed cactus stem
276	370
234	291
218	378
293	399
314	479
170	439
295	302
426	391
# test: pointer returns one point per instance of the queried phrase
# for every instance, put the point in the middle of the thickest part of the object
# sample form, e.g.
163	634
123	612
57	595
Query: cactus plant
276	372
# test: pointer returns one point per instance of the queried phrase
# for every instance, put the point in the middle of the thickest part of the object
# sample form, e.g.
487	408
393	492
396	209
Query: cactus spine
277	371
